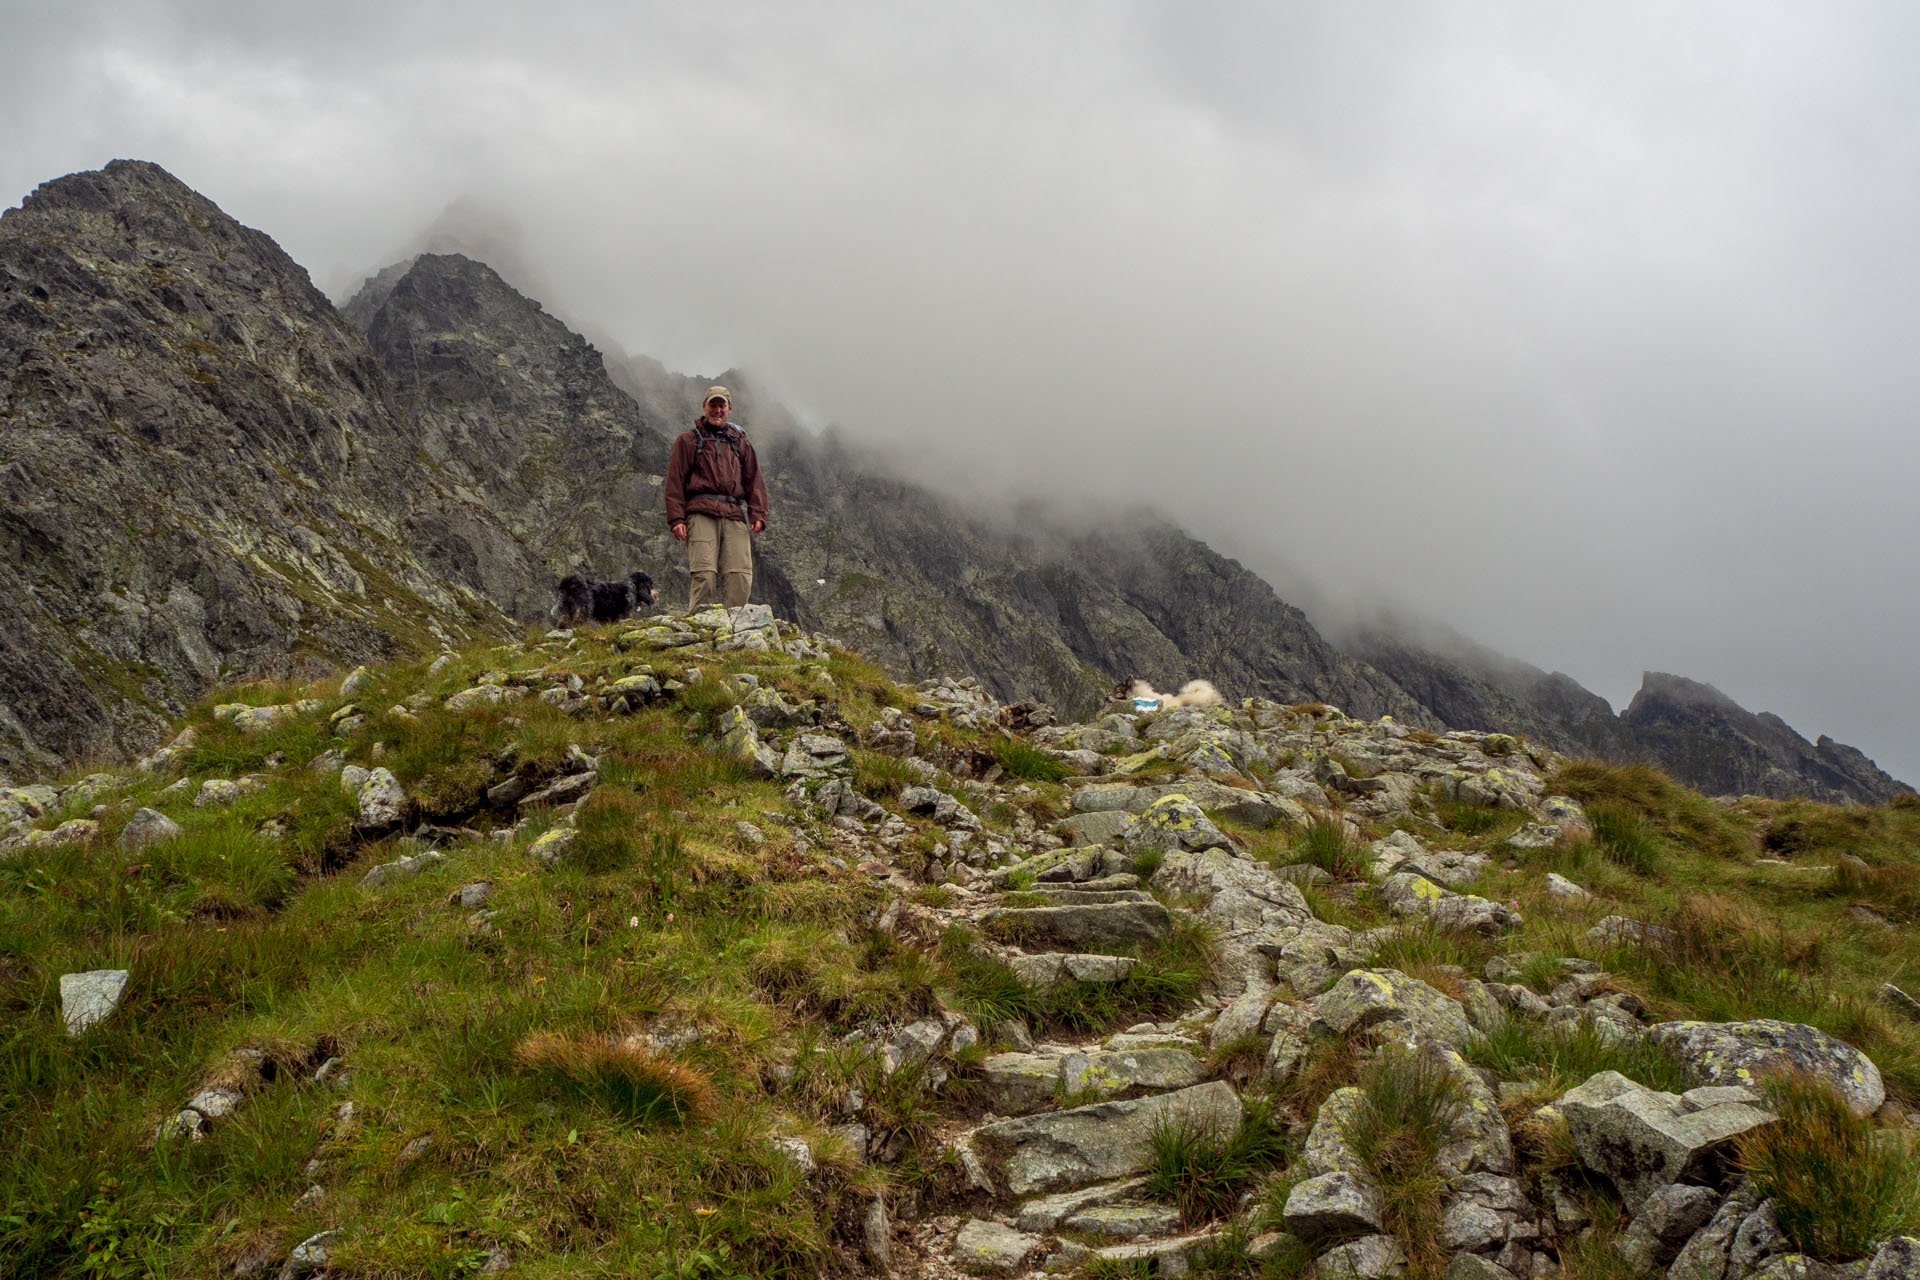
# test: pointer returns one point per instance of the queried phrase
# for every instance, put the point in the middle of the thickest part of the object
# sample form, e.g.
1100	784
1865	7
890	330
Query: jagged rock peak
201	471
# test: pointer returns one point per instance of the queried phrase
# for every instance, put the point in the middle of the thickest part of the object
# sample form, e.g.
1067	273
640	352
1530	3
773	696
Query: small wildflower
633	922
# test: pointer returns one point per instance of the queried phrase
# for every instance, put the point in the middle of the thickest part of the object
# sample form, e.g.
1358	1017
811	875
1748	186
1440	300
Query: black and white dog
586	599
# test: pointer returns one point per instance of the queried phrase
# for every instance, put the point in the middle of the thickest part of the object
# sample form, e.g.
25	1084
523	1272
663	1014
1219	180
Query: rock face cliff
200	470
207	470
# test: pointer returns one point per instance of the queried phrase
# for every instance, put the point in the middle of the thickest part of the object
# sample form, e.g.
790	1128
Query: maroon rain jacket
711	472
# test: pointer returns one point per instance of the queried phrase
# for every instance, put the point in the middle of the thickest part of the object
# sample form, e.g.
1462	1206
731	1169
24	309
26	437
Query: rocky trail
1051	1129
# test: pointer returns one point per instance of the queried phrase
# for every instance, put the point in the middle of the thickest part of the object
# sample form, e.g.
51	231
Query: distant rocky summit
207	470
1692	730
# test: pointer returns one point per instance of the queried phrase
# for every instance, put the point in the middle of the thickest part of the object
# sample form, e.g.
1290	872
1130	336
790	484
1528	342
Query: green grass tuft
1409	1106
1520	1050
1839	1186
1624	836
1328	845
882	777
1029	763
1201	1171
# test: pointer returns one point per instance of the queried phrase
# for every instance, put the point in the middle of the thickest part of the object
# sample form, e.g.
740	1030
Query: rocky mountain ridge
431	482
1688	728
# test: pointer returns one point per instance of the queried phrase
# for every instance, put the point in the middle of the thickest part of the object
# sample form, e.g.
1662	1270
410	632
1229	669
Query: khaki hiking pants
722	550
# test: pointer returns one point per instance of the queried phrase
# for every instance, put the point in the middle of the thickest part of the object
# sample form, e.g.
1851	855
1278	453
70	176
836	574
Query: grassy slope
240	941
237	941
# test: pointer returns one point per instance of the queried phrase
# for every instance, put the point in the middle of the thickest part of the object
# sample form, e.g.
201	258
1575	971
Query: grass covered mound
586	1066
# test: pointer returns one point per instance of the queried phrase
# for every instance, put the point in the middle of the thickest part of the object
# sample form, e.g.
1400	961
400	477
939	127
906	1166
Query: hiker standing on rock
714	497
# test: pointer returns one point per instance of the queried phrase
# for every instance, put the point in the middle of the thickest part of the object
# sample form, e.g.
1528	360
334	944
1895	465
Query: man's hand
759	526
679	530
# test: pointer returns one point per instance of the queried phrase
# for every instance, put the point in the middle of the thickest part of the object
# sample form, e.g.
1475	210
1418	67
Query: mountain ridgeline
207	470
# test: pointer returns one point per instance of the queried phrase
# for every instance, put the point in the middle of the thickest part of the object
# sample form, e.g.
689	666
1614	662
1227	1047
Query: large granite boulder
1741	1053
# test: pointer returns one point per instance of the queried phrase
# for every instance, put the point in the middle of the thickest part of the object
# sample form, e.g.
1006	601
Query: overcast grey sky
1589	330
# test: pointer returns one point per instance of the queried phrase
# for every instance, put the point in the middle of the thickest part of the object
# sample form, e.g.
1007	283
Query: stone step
1049	968
1063	1149
1162	1257
1082	895
1101	922
1046	1213
1021	1083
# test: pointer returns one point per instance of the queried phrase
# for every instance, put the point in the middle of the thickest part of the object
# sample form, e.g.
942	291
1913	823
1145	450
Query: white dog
1194	693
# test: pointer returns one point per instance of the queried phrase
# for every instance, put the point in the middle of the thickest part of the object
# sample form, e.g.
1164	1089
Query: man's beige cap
717	393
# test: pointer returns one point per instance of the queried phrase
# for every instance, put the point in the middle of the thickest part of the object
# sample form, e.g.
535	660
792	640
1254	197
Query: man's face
717	410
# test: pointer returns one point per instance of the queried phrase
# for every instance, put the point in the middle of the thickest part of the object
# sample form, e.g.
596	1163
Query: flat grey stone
215	1104
1017	1083
309	1256
1130	1041
400	868
1044	1213
1897	1259
1712	1095
145	827
1171	823
1327	1149
1094	968
1161	1257
567	790
1289	1027
1365	998
1471	1266
1482	1212
1704	1256
988	1248
1333	1204
795	1152
1100	827
382	803
1113	1072
876	1234
1368	1258
1561	887
1757	1238
87	999
1240	1020
1124	1221
1116	922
